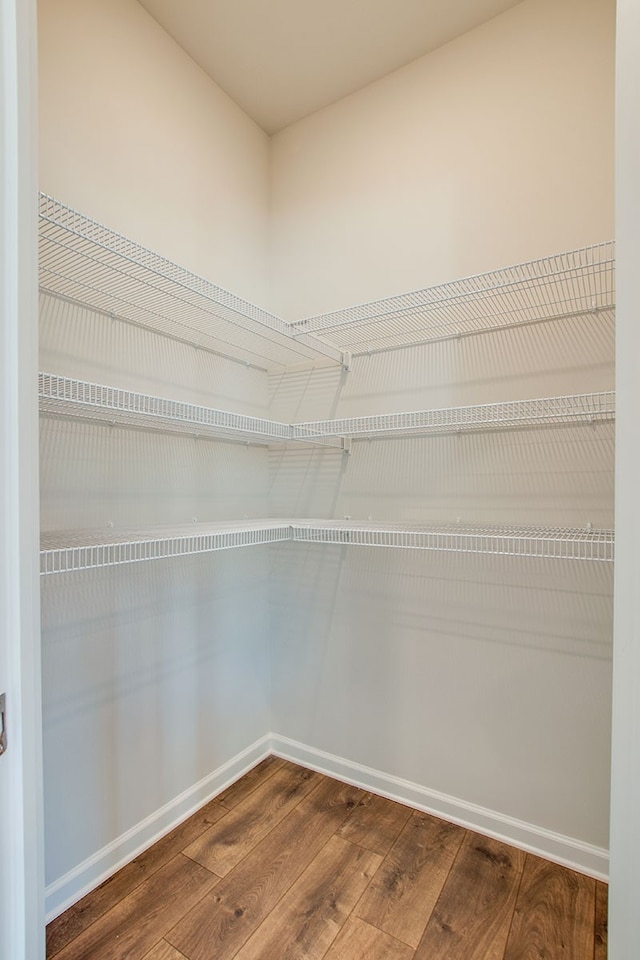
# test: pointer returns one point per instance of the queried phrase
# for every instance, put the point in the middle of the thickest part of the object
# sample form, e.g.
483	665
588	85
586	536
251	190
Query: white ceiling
281	60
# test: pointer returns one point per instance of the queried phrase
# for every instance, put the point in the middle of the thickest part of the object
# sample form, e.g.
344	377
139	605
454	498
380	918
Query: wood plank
227	842
554	914
602	913
164	951
81	915
218	926
241	789
404	892
143	918
376	823
309	917
360	941
472	917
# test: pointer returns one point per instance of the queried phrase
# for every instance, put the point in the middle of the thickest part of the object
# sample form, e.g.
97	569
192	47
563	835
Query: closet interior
376	540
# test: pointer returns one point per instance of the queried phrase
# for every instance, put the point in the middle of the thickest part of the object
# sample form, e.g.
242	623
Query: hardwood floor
288	864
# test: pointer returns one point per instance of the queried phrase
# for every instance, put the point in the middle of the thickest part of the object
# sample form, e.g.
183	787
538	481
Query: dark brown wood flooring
288	864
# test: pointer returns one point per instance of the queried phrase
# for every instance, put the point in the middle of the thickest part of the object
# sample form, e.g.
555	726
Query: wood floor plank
472	917
229	840
601	931
221	923
164	951
81	915
376	823
360	941
308	918
138	922
403	893
554	914
241	789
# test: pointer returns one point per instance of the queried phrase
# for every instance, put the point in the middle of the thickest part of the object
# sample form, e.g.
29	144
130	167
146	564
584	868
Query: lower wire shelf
563	543
68	551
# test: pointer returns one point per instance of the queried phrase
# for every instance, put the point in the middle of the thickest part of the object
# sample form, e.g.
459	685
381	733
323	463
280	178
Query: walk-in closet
327	413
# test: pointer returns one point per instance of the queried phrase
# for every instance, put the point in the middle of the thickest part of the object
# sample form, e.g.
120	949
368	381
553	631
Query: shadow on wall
480	677
154	674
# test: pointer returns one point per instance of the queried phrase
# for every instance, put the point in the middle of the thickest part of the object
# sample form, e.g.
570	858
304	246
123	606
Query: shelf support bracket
346	446
346	362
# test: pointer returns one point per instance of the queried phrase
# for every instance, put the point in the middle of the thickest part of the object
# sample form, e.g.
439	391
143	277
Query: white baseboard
68	889
580	856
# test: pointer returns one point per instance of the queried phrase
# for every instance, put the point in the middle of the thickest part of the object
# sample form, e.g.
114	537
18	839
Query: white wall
154	676
494	149
134	134
484	679
624	938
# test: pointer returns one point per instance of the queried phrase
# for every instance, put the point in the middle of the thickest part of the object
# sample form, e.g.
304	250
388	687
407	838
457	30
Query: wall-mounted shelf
86	263
507	415
569	284
68	551
507	541
68	398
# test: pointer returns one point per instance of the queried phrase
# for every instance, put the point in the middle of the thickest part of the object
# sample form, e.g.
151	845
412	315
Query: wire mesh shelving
68	398
86	263
508	541
69	551
569	284
512	414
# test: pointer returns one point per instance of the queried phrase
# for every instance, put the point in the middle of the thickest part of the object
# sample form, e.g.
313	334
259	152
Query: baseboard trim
68	889
575	854
583	857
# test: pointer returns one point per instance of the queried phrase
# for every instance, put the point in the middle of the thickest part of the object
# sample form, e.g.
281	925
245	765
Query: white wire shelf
68	398
86	263
570	284
511	541
66	552
513	414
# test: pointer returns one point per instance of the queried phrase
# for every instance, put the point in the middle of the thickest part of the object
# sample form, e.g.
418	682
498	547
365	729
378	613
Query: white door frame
22	934
624	889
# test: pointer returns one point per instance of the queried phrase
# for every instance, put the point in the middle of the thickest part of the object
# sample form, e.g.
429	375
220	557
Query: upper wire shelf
65	551
80	399
569	284
84	262
513	414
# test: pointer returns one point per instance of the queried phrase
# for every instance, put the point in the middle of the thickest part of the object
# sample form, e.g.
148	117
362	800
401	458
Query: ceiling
281	60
